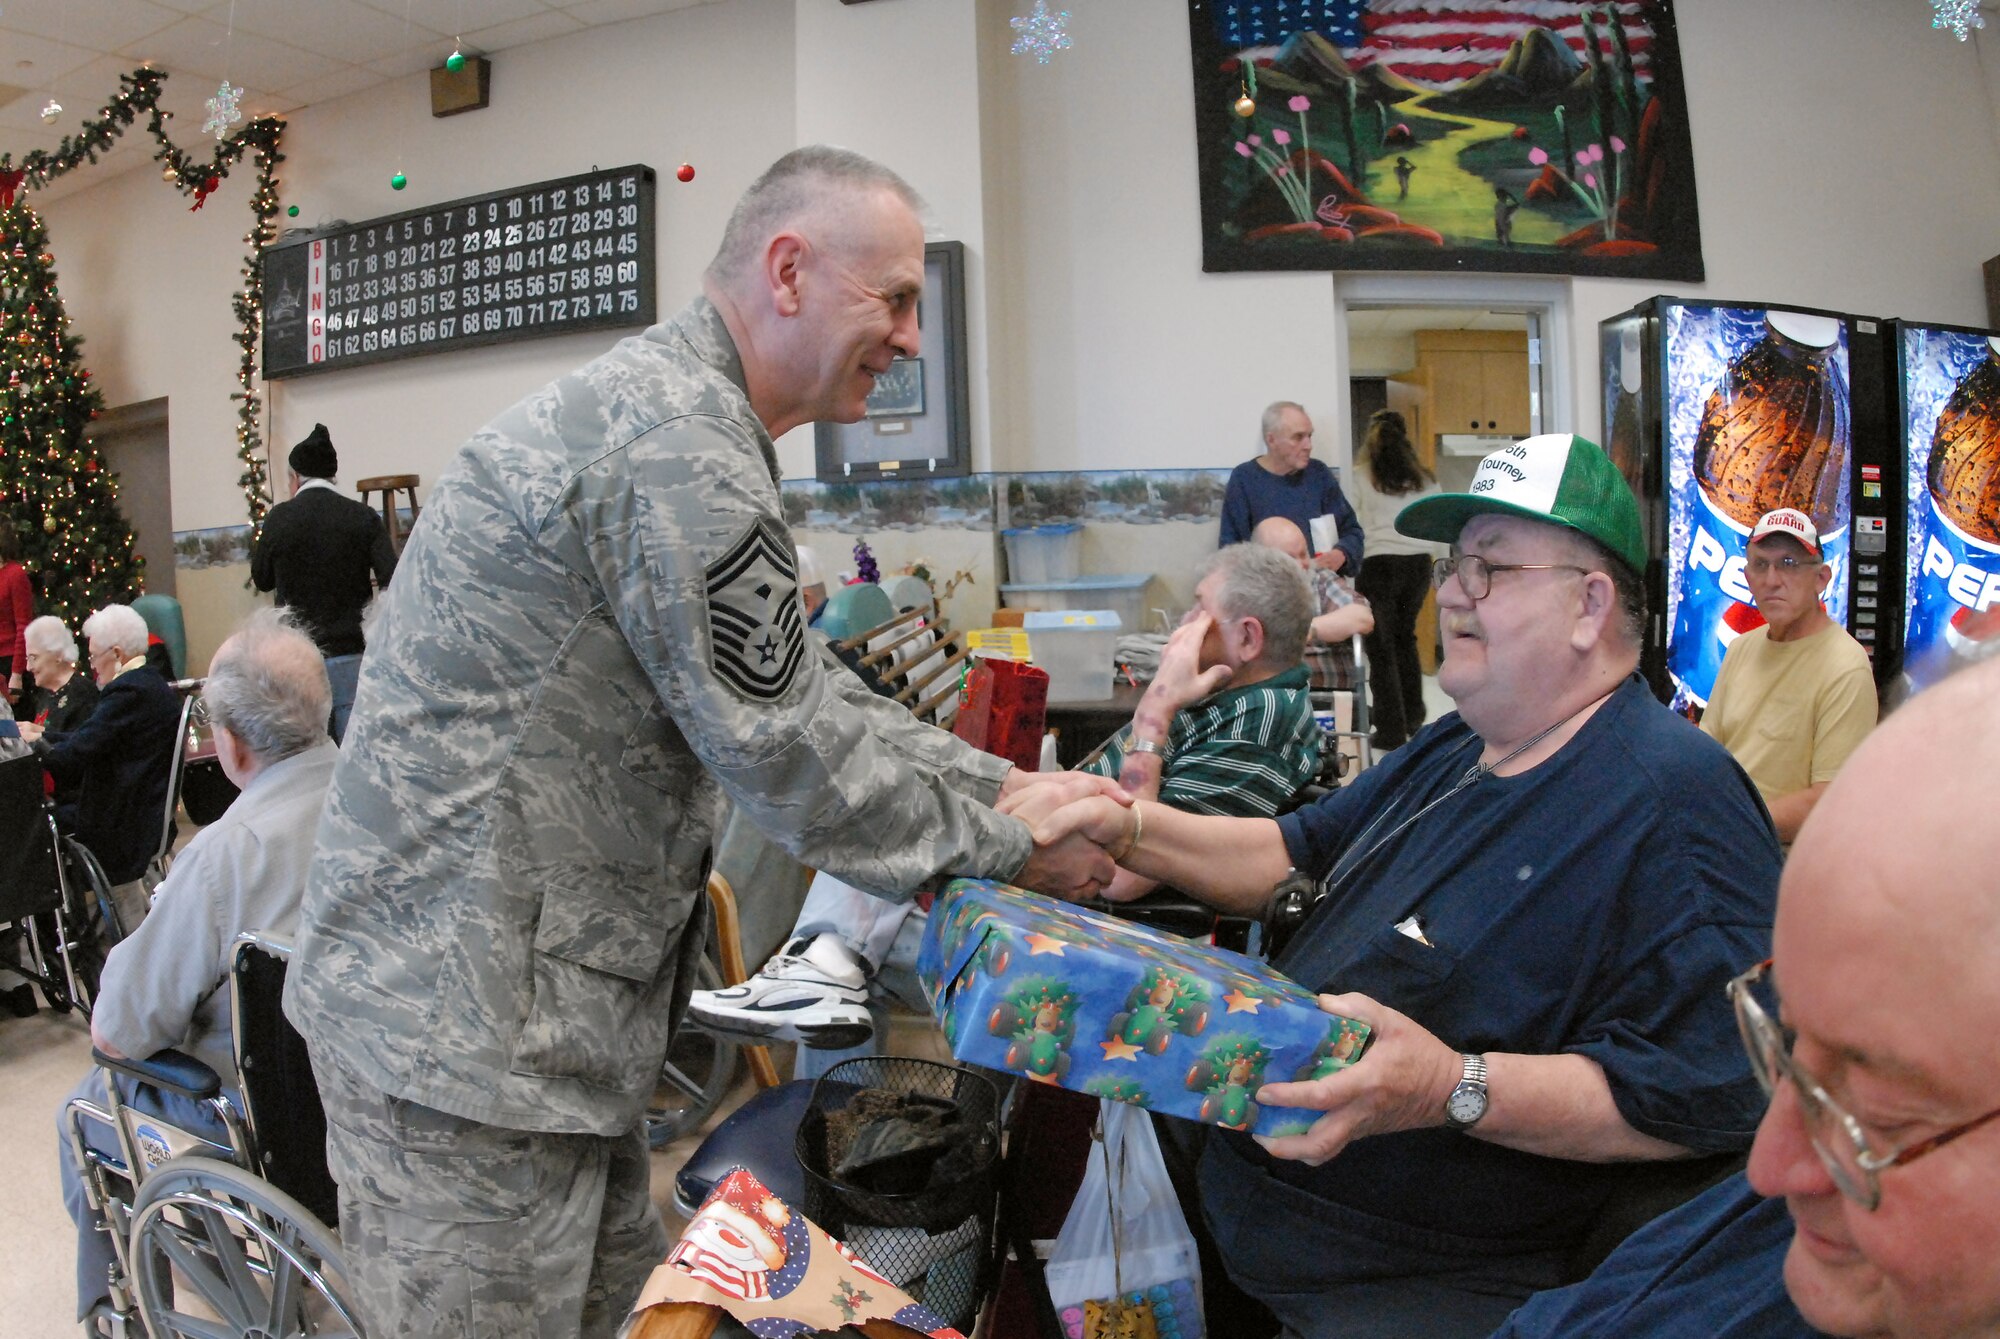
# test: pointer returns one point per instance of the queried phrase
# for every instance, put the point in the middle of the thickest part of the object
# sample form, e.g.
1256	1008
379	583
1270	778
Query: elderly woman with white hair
63	699
119	760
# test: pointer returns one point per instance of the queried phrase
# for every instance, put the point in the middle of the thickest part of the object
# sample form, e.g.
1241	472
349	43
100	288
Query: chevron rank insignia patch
756	630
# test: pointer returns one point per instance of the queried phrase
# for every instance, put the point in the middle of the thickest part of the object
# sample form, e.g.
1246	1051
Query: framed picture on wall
899	392
918	423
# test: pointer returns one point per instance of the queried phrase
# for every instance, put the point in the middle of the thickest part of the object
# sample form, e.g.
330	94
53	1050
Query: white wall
1847	164
1118	351
148	284
899	80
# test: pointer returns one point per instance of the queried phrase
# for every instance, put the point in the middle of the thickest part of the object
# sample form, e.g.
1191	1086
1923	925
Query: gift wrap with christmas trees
1060	995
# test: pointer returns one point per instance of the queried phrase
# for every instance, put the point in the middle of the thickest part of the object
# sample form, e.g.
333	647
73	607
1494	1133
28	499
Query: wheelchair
53	893
234	1236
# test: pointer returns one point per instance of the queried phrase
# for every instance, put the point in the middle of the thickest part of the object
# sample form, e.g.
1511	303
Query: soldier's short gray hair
117	626
1269	586
51	635
268	687
1273	412
792	187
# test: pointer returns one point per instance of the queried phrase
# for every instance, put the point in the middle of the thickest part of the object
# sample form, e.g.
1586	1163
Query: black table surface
1081	726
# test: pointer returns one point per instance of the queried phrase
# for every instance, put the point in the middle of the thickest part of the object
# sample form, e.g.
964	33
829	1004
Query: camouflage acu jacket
593	635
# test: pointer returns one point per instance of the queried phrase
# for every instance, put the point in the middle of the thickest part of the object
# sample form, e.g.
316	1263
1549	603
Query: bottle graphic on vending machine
1955	614
1774	433
1628	429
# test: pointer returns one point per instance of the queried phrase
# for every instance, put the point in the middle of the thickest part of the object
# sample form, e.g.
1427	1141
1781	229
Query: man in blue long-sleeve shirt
1286	481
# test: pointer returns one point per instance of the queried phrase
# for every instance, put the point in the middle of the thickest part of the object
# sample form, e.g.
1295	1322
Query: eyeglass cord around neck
1345	869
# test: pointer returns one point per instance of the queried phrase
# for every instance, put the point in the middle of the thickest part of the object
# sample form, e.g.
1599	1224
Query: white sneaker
814	992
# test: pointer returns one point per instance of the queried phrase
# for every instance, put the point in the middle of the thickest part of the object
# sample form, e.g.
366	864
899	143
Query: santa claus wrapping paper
776	1272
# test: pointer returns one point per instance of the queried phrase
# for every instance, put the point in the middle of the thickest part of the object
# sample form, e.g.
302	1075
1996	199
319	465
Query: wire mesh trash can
924	1227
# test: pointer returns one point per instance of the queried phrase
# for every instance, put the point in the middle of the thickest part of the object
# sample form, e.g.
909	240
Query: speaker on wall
466	89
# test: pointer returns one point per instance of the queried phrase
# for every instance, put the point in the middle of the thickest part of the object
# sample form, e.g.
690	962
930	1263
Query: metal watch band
1466	1106
1144	746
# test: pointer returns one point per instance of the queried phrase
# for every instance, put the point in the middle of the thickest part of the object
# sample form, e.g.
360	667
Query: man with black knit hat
326	556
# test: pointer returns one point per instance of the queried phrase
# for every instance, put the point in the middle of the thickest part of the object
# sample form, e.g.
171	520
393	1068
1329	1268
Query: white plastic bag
1125	1241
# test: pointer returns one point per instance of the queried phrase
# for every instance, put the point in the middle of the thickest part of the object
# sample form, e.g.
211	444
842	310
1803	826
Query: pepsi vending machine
1947	382
1720	412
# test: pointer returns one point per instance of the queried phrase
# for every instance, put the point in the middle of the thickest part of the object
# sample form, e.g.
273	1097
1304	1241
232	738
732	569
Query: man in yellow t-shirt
1797	695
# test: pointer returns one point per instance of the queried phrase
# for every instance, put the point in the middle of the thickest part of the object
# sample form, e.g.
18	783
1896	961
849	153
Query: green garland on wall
139	94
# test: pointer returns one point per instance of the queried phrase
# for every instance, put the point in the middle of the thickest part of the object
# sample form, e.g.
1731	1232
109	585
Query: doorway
1467	378
133	441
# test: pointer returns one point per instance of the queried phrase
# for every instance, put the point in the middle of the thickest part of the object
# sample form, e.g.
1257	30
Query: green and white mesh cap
1559	478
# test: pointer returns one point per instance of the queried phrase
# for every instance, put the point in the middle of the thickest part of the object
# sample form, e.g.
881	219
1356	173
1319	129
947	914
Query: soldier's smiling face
858	297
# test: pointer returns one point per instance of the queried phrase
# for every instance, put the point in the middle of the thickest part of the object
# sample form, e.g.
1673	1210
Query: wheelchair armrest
175	1071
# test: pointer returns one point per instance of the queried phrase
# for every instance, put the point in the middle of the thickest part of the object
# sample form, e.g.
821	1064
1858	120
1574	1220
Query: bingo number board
548	259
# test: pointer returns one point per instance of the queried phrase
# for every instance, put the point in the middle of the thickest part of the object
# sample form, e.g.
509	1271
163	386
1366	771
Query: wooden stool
388	485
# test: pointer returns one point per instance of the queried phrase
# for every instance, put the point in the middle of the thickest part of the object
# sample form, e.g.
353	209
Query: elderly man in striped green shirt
1225	728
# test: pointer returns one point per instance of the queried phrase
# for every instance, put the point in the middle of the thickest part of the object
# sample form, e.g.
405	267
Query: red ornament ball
685	172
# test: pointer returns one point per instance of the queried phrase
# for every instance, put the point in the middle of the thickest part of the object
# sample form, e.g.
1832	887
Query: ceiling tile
536	28
618	11
95	23
344	30
339	84
197	46
459	17
415	60
34	61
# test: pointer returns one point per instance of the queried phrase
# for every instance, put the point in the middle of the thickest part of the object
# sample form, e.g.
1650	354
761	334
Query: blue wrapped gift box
1028	985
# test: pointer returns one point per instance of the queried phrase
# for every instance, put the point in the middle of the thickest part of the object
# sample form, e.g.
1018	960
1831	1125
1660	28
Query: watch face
1465	1105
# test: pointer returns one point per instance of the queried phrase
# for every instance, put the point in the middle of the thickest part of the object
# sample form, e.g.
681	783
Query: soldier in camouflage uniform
593	637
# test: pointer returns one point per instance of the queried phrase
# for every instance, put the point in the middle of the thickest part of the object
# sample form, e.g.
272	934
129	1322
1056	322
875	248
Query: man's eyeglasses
1475	574
1835	1135
1787	564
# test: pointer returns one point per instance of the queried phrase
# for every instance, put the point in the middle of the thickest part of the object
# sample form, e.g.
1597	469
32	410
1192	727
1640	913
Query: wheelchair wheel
91	889
246	1258
699	1071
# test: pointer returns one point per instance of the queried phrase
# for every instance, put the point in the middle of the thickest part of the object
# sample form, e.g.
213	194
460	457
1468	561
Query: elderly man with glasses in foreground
1536	903
1873	1029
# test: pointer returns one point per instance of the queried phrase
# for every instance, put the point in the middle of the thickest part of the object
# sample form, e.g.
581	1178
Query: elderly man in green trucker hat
1536	904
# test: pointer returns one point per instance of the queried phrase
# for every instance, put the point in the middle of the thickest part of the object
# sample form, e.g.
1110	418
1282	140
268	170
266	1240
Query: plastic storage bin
1123	595
1077	648
1042	553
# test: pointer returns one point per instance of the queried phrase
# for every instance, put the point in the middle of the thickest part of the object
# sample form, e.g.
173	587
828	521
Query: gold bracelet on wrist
1138	835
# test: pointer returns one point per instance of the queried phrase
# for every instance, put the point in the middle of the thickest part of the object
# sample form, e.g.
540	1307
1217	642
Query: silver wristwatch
1467	1103
1144	746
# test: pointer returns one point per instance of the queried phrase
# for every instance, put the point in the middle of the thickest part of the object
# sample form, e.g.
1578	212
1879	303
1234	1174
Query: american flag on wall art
1504	135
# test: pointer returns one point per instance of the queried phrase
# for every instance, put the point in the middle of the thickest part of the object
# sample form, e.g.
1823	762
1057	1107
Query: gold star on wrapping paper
1120	1050
1239	1003
1040	943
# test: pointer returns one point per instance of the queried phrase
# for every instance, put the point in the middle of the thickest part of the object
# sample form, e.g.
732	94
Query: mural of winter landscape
1543	136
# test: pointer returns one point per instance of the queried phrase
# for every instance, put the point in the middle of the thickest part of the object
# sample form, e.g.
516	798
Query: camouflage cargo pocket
597	970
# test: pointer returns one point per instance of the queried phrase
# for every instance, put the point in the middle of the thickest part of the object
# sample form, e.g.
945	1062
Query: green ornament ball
293	212
455	61
397	182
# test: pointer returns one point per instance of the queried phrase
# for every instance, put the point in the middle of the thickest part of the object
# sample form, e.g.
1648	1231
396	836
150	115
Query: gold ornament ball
1246	106
48	525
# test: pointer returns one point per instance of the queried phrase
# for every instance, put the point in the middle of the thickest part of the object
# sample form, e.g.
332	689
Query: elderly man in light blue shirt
268	701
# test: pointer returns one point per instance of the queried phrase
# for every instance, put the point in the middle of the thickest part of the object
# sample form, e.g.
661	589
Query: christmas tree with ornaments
55	490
